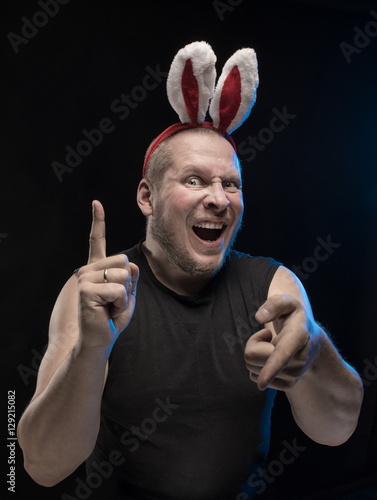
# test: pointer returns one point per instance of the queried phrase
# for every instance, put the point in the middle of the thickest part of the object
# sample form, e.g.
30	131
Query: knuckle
121	260
121	291
116	289
122	276
83	279
80	272
249	353
250	356
85	288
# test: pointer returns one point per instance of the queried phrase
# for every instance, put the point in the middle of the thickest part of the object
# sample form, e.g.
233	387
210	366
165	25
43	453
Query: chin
203	267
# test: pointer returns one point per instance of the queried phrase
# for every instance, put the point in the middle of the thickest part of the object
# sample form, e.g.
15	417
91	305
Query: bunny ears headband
191	91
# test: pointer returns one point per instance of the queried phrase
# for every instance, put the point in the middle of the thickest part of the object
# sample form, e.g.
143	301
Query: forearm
326	400
58	430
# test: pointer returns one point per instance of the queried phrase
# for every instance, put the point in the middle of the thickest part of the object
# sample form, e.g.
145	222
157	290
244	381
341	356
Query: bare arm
58	430
294	354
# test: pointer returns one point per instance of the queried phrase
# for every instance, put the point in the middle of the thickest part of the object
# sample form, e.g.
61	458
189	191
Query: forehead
203	151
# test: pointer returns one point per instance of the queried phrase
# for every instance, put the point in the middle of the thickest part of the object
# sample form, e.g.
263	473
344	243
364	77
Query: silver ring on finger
105	276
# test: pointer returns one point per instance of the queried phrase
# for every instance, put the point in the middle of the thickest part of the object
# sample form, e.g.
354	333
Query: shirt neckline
182	298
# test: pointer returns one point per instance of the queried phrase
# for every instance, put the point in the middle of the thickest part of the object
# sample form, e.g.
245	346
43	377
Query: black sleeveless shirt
181	418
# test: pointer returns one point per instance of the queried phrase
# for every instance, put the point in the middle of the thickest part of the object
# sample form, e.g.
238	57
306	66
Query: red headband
178	127
191	86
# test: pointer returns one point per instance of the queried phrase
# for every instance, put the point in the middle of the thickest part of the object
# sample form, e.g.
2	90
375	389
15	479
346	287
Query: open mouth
209	231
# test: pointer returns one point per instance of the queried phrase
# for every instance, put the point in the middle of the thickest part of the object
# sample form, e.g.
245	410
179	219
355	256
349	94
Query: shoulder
245	261
250	273
285	282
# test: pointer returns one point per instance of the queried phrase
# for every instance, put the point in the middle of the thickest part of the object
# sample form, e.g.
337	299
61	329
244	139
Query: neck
168	273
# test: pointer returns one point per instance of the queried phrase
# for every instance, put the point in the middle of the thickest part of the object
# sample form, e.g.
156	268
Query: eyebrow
195	170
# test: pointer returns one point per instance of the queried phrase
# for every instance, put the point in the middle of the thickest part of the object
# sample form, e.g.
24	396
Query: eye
195	181
231	186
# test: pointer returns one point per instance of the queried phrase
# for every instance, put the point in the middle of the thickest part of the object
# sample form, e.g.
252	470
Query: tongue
207	234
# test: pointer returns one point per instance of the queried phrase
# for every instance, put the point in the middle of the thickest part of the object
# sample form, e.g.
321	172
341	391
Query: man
155	388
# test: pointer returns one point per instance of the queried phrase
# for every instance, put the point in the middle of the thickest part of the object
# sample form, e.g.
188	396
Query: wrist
85	351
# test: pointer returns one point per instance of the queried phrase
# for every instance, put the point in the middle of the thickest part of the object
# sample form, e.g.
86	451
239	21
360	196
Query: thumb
275	307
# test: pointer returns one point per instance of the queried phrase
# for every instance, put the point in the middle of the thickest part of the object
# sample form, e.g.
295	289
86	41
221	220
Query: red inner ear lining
190	91
230	98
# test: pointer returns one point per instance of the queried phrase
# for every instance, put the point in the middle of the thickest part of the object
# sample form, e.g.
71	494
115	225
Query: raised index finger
97	237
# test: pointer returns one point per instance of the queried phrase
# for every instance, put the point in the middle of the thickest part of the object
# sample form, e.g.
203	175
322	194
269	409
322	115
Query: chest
190	352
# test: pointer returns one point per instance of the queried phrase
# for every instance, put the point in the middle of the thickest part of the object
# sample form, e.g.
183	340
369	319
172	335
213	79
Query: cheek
174	210
237	204
182	202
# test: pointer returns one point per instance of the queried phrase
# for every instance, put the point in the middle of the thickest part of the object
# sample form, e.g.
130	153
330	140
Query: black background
314	179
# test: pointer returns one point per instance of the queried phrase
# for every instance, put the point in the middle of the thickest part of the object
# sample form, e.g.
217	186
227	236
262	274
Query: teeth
209	225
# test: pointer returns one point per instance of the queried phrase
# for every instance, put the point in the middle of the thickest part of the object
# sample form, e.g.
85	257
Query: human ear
144	197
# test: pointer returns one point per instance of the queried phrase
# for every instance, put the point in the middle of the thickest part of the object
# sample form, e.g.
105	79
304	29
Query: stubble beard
176	253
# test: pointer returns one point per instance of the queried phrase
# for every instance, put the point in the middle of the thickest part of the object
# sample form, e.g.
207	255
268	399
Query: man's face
198	210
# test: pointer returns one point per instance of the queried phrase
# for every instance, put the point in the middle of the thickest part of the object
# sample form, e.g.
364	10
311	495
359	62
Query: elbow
43	481
338	420
42	473
337	439
47	473
47	470
352	409
336	434
346	418
43	476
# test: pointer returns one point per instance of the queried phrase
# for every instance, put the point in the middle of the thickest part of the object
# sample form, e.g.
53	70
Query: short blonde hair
161	159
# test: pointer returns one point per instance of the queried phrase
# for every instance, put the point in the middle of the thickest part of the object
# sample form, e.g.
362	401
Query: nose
216	197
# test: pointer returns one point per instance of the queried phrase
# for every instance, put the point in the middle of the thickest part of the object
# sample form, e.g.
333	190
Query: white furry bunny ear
191	86
191	81
235	92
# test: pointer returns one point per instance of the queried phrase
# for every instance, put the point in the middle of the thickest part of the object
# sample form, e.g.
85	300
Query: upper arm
285	282
63	333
